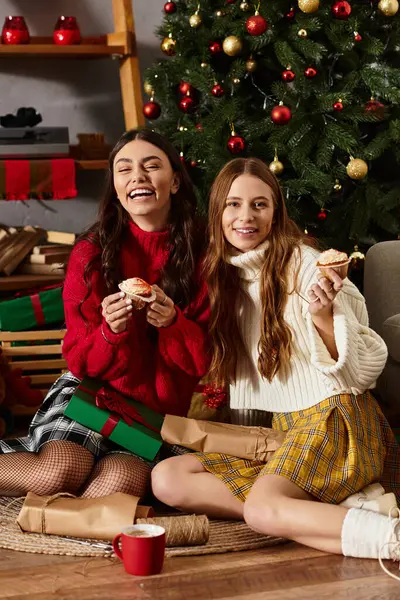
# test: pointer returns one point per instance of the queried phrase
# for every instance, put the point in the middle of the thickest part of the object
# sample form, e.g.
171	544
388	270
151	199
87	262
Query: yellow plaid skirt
331	450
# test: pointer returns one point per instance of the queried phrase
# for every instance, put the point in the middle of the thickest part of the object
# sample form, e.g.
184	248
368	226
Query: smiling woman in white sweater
290	341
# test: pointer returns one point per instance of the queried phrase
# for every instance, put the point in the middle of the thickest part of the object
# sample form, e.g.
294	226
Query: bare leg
276	506
60	466
182	482
118	472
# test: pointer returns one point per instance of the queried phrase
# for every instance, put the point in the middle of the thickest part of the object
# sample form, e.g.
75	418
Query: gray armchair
382	294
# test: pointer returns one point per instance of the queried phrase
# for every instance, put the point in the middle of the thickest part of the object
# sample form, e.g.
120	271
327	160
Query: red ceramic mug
142	549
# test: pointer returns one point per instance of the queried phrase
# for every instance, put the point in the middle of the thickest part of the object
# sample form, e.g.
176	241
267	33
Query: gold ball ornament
338	186
302	33
276	166
148	88
232	45
357	259
244	6
357	168
251	65
308	6
388	7
168	46
195	20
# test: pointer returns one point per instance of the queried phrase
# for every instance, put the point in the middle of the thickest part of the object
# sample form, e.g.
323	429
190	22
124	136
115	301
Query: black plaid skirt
50	424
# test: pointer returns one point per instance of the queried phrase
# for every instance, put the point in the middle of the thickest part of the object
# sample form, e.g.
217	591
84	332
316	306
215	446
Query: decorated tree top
312	87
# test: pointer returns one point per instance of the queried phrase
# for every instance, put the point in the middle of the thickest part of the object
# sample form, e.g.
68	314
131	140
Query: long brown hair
108	232
224	284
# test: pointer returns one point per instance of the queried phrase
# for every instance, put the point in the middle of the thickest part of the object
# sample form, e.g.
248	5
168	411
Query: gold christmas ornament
357	168
337	187
357	255
388	7
195	20
168	46
148	88
276	166
251	65
244	6
302	33
232	45
308	6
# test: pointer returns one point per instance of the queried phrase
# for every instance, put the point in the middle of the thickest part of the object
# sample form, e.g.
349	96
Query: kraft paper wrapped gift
252	443
93	518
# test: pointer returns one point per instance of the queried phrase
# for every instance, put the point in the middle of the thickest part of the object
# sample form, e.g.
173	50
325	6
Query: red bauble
256	25
193	163
187	104
357	37
15	31
183	159
288	76
310	72
231	1
215	47
376	107
338	106
218	90
281	115
341	10
170	8
199	127
291	14
236	144
185	88
66	32
151	110
322	215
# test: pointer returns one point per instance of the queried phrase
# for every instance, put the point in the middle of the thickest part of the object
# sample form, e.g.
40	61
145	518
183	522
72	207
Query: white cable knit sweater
313	374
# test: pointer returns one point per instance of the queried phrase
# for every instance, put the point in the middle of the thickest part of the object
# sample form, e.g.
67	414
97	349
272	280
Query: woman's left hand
323	293
161	312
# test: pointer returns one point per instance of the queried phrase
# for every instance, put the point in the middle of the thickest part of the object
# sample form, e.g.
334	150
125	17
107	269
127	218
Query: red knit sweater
157	366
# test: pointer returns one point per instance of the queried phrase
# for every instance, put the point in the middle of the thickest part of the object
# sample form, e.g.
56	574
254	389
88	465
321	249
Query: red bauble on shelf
215	47
256	25
310	72
341	10
66	31
187	104
151	110
186	88
217	90
170	8
288	75
15	31
236	144
281	115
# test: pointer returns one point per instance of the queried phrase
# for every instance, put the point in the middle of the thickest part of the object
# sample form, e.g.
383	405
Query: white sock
365	534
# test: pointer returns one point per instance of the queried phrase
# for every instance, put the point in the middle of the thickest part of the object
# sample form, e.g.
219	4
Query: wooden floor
286	572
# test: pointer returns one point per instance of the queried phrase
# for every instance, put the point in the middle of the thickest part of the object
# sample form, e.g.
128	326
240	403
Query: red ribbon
37	309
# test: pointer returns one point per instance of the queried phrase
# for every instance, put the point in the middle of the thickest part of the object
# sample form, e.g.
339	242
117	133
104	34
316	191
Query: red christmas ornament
193	163
375	107
215	47
187	104
310	72
338	106
236	144
15	31
256	25
66	31
341	10
290	15
170	8
151	110
357	37
231	1
322	215
183	159
281	115
288	75
186	88
199	127
218	91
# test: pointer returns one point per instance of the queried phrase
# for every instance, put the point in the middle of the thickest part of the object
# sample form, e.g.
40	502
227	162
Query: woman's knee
122	473
66	466
168	477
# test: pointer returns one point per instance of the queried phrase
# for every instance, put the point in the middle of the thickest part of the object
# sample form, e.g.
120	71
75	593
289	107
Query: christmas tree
311	87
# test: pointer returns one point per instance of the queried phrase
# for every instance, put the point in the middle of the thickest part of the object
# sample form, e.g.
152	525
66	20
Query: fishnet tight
63	466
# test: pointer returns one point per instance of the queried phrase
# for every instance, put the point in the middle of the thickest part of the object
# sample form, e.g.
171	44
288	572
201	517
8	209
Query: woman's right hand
117	310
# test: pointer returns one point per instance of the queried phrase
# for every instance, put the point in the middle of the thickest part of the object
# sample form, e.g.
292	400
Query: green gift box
31	311
123	421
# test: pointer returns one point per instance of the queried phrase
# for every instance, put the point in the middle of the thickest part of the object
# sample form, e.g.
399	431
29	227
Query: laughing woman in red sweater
146	228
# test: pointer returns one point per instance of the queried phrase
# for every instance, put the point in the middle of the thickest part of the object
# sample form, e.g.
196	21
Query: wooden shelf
92	165
97	47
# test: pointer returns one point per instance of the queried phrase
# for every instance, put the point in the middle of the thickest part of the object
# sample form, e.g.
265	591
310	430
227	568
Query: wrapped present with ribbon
123	421
28	312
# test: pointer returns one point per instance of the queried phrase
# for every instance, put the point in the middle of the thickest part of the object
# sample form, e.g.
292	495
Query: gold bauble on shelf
251	65
195	20
148	88
308	6
168	46
357	168
388	7
232	45
302	33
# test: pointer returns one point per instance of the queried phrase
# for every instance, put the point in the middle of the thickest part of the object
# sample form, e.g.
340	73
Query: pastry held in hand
333	259
138	290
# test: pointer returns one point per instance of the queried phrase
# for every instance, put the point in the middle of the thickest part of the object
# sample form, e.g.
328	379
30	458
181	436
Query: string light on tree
276	166
251	65
357	168
308	6
236	143
281	114
388	7
236	80
302	33
168	45
310	72
288	75
256	25
203	65
341	10
232	45
148	88
170	8
338	106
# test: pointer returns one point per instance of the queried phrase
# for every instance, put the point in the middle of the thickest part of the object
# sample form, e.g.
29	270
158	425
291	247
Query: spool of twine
190	530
